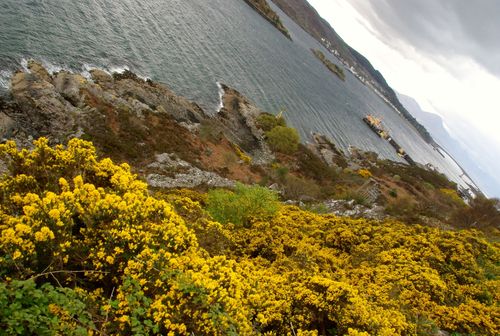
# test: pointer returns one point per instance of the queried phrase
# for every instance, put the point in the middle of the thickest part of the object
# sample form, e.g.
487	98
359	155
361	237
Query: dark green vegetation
267	121
262	7
30	309
279	137
283	139
330	65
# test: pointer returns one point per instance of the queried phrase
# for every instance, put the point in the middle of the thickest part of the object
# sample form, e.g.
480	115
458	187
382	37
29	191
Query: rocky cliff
133	120
172	143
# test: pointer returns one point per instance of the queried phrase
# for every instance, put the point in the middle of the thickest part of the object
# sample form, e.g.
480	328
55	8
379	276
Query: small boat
376	125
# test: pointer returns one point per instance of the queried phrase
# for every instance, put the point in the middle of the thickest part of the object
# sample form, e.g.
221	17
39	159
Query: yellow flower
54	214
54	309
22	229
44	234
63	184
123	319
17	255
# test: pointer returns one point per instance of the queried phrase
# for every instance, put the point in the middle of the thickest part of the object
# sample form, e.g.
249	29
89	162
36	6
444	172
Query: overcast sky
443	53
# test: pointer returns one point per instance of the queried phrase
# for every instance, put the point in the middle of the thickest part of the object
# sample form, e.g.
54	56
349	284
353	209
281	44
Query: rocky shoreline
172	143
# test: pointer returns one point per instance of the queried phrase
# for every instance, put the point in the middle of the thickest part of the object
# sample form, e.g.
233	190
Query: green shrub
240	206
267	121
28	310
283	139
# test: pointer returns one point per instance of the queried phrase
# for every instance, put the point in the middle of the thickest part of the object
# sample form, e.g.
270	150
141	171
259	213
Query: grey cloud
440	27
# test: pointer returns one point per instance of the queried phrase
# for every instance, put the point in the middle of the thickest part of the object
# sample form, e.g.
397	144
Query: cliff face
137	121
310	20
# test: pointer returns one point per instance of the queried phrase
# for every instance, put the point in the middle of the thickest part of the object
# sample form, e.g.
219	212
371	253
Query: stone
68	85
349	208
47	112
104	79
172	172
237	117
7	124
39	71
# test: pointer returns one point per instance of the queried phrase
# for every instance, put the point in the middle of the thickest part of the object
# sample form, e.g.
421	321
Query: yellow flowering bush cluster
364	173
452	196
73	220
78	229
241	154
384	278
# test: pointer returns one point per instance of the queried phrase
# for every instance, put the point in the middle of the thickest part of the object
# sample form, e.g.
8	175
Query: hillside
310	20
134	212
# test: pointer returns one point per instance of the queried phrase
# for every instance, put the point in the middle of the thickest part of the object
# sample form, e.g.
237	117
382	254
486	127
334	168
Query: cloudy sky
443	53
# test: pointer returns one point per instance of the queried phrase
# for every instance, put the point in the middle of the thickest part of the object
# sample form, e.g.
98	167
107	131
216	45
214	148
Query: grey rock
172	172
68	85
349	208
7	125
104	79
46	111
156	95
442	333
39	71
237	117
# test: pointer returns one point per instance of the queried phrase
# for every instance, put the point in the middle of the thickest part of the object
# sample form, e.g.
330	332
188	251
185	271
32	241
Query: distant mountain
436	126
431	121
309	19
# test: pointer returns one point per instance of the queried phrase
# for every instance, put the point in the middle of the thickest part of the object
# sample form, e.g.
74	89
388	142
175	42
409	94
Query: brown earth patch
124	136
223	159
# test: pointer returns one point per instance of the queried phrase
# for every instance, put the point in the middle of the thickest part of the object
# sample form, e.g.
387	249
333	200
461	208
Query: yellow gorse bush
143	264
365	173
92	224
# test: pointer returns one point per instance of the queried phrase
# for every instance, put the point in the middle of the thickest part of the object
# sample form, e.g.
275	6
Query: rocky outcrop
132	119
39	71
351	209
237	119
325	149
46	112
157	96
172	172
54	105
69	85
